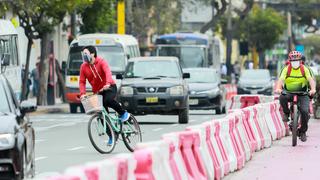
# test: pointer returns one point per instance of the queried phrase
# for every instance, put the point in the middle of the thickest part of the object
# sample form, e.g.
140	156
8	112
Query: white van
114	48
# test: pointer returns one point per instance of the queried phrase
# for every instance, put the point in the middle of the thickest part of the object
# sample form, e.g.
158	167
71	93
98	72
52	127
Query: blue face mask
86	57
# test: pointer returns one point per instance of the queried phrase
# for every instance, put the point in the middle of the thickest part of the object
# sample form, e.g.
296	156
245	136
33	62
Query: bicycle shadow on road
155	122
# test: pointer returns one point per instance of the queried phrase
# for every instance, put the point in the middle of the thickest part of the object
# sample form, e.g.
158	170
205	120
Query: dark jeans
109	96
303	104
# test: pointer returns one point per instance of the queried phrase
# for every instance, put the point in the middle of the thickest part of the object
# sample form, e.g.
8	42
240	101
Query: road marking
192	120
173	125
76	148
54	126
39	140
158	129
40	158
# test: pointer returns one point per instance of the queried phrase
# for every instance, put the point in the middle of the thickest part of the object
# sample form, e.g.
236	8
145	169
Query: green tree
99	17
262	29
39	18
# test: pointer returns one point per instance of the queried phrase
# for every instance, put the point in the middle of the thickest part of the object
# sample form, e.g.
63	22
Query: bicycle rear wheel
131	133
295	125
98	136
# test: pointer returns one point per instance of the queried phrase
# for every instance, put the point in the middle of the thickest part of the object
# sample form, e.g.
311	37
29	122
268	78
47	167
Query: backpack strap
289	70
302	70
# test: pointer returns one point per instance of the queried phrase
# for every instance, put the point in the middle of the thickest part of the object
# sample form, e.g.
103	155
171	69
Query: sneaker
124	117
303	137
110	142
285	117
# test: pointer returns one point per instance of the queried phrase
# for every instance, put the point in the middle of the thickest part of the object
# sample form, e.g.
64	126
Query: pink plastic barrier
249	129
64	177
284	126
189	148
204	149
144	164
177	156
237	144
261	112
222	148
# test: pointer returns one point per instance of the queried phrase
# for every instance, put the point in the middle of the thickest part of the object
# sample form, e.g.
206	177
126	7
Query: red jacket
98	75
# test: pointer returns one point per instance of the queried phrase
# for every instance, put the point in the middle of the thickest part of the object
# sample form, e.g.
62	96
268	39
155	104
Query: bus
192	49
115	48
9	51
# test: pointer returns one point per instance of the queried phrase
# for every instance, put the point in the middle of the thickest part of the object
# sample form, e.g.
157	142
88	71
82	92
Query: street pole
121	17
229	39
289	32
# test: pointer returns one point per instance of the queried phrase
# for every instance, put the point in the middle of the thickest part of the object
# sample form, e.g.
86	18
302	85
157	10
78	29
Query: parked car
255	81
17	137
205	91
155	85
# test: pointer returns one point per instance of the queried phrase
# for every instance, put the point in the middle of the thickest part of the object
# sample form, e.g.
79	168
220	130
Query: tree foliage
262	28
99	17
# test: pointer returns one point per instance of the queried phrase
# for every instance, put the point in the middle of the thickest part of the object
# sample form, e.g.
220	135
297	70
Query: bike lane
282	161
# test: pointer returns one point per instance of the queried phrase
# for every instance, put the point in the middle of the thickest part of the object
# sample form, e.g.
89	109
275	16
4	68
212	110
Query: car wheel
23	166
73	108
224	109
184	116
33	166
218	110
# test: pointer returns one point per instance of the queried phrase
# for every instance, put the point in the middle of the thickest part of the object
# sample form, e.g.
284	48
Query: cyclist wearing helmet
296	77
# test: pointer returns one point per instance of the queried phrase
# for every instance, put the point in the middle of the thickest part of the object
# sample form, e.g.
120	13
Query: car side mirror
186	75
273	78
5	59
119	76
224	81
27	107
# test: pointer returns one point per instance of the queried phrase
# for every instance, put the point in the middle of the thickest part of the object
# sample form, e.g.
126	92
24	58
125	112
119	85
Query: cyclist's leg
284	99
109	100
304	110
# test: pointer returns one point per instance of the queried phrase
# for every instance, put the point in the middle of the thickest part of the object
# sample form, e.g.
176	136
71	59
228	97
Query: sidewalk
282	161
59	107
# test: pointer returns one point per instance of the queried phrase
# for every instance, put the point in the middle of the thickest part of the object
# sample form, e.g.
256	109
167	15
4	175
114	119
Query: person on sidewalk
96	70
295	77
36	79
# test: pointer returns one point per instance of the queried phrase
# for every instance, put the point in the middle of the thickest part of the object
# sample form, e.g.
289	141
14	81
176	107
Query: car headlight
6	141
126	90
211	92
176	90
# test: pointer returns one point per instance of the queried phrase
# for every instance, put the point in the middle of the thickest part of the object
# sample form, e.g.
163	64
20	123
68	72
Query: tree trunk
62	86
262	60
42	98
26	72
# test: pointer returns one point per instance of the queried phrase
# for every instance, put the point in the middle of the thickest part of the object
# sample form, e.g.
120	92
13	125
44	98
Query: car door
25	126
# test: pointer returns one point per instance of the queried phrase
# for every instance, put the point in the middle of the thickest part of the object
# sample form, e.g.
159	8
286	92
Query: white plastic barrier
261	111
227	142
254	128
130	162
160	159
177	154
279	117
204	151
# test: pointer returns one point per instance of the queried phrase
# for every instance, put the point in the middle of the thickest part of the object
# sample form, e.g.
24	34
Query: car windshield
153	69
255	74
113	54
202	76
4	105
188	56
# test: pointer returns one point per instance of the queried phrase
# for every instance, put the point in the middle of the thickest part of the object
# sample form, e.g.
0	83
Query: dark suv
155	85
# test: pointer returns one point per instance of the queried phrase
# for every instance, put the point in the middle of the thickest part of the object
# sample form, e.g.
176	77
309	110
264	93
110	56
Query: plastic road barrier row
210	150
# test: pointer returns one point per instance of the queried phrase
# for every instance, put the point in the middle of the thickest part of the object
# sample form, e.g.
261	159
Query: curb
50	110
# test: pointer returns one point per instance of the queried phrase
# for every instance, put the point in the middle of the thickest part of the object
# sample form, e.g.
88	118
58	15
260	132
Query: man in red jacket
96	70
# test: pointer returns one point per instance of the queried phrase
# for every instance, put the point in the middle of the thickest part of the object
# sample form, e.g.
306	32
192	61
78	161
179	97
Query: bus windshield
113	54
188	56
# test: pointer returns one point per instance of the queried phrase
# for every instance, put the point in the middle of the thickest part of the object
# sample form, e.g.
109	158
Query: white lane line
158	129
173	125
40	158
54	126
192	120
40	140
76	148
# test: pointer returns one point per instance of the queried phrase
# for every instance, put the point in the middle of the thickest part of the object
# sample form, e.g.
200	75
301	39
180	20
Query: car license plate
193	101
73	79
152	99
254	92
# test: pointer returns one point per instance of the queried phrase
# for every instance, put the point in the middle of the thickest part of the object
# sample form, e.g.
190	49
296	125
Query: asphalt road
62	140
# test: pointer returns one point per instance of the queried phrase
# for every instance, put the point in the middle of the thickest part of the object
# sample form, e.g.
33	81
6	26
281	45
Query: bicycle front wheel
131	133
102	138
295	125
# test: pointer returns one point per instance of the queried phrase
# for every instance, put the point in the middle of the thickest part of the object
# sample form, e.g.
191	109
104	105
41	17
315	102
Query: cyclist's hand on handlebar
312	92
278	91
82	96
